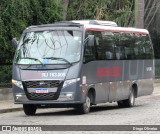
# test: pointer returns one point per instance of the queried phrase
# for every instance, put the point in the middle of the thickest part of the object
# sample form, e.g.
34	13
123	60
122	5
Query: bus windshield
49	47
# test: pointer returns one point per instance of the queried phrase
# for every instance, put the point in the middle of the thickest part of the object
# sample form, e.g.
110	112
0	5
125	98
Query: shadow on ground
72	111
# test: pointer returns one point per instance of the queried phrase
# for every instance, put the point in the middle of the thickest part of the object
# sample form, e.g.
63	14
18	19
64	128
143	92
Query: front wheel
29	109
85	107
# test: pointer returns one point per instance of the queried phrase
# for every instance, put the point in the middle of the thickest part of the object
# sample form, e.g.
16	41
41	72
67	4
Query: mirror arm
15	42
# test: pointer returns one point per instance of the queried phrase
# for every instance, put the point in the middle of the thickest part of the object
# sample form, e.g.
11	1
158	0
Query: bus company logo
41	83
114	71
6	128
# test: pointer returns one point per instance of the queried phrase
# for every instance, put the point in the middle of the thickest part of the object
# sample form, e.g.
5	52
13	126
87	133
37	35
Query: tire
129	102
85	107
29	109
121	104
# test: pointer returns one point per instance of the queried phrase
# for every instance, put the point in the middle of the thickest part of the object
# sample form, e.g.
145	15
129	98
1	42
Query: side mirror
15	42
90	40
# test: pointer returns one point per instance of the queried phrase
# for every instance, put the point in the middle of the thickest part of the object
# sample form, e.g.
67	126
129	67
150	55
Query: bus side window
99	52
142	52
143	47
108	46
119	53
149	54
109	55
136	52
88	54
119	49
148	47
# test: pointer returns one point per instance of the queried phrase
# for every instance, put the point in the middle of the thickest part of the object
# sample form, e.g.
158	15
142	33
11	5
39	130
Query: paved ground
9	106
6	94
145	112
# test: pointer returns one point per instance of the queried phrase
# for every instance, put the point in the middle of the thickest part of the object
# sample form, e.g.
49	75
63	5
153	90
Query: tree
121	11
151	21
65	7
16	15
151	10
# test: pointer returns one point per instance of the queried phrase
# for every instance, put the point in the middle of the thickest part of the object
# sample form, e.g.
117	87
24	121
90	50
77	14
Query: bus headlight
69	82
17	83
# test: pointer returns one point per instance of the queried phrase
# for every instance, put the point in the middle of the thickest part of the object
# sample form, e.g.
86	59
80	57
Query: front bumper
63	99
68	95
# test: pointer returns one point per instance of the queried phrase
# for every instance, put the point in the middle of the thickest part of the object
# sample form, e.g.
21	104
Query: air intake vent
104	23
96	22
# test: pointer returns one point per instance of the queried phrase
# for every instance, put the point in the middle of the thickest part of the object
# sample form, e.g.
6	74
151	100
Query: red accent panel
114	71
34	75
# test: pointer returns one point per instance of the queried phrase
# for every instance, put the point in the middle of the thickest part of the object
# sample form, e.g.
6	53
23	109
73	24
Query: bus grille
43	84
41	96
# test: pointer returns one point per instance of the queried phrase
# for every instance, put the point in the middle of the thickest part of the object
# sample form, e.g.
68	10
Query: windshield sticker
24	61
45	61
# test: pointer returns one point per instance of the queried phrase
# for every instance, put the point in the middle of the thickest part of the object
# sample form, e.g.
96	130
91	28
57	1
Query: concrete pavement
6	101
9	106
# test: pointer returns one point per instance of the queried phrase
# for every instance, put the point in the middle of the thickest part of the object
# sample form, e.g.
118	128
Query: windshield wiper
57	58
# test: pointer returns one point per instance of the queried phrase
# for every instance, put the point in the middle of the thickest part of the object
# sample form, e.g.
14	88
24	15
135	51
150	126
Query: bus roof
97	25
116	29
110	26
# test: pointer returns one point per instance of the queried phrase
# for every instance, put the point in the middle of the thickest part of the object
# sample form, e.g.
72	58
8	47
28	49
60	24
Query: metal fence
5	75
157	68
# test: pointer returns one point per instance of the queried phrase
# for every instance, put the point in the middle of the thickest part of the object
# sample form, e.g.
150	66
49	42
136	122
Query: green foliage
120	11
16	15
5	76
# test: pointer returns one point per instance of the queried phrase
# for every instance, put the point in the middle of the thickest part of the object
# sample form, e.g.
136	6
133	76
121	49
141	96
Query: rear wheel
129	102
85	107
121	104
29	109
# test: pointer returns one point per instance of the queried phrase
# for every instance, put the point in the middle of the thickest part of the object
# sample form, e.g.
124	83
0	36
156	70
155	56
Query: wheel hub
132	98
88	102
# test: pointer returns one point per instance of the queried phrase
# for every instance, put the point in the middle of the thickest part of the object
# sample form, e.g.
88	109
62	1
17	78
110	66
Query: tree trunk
65	7
139	13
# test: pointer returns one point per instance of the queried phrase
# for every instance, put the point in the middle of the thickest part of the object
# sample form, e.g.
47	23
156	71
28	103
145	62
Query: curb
10	110
156	81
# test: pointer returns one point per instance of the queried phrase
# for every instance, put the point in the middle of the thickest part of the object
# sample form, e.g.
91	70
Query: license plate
41	90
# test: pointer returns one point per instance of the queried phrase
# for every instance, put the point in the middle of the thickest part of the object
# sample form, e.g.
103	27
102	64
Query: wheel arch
92	92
